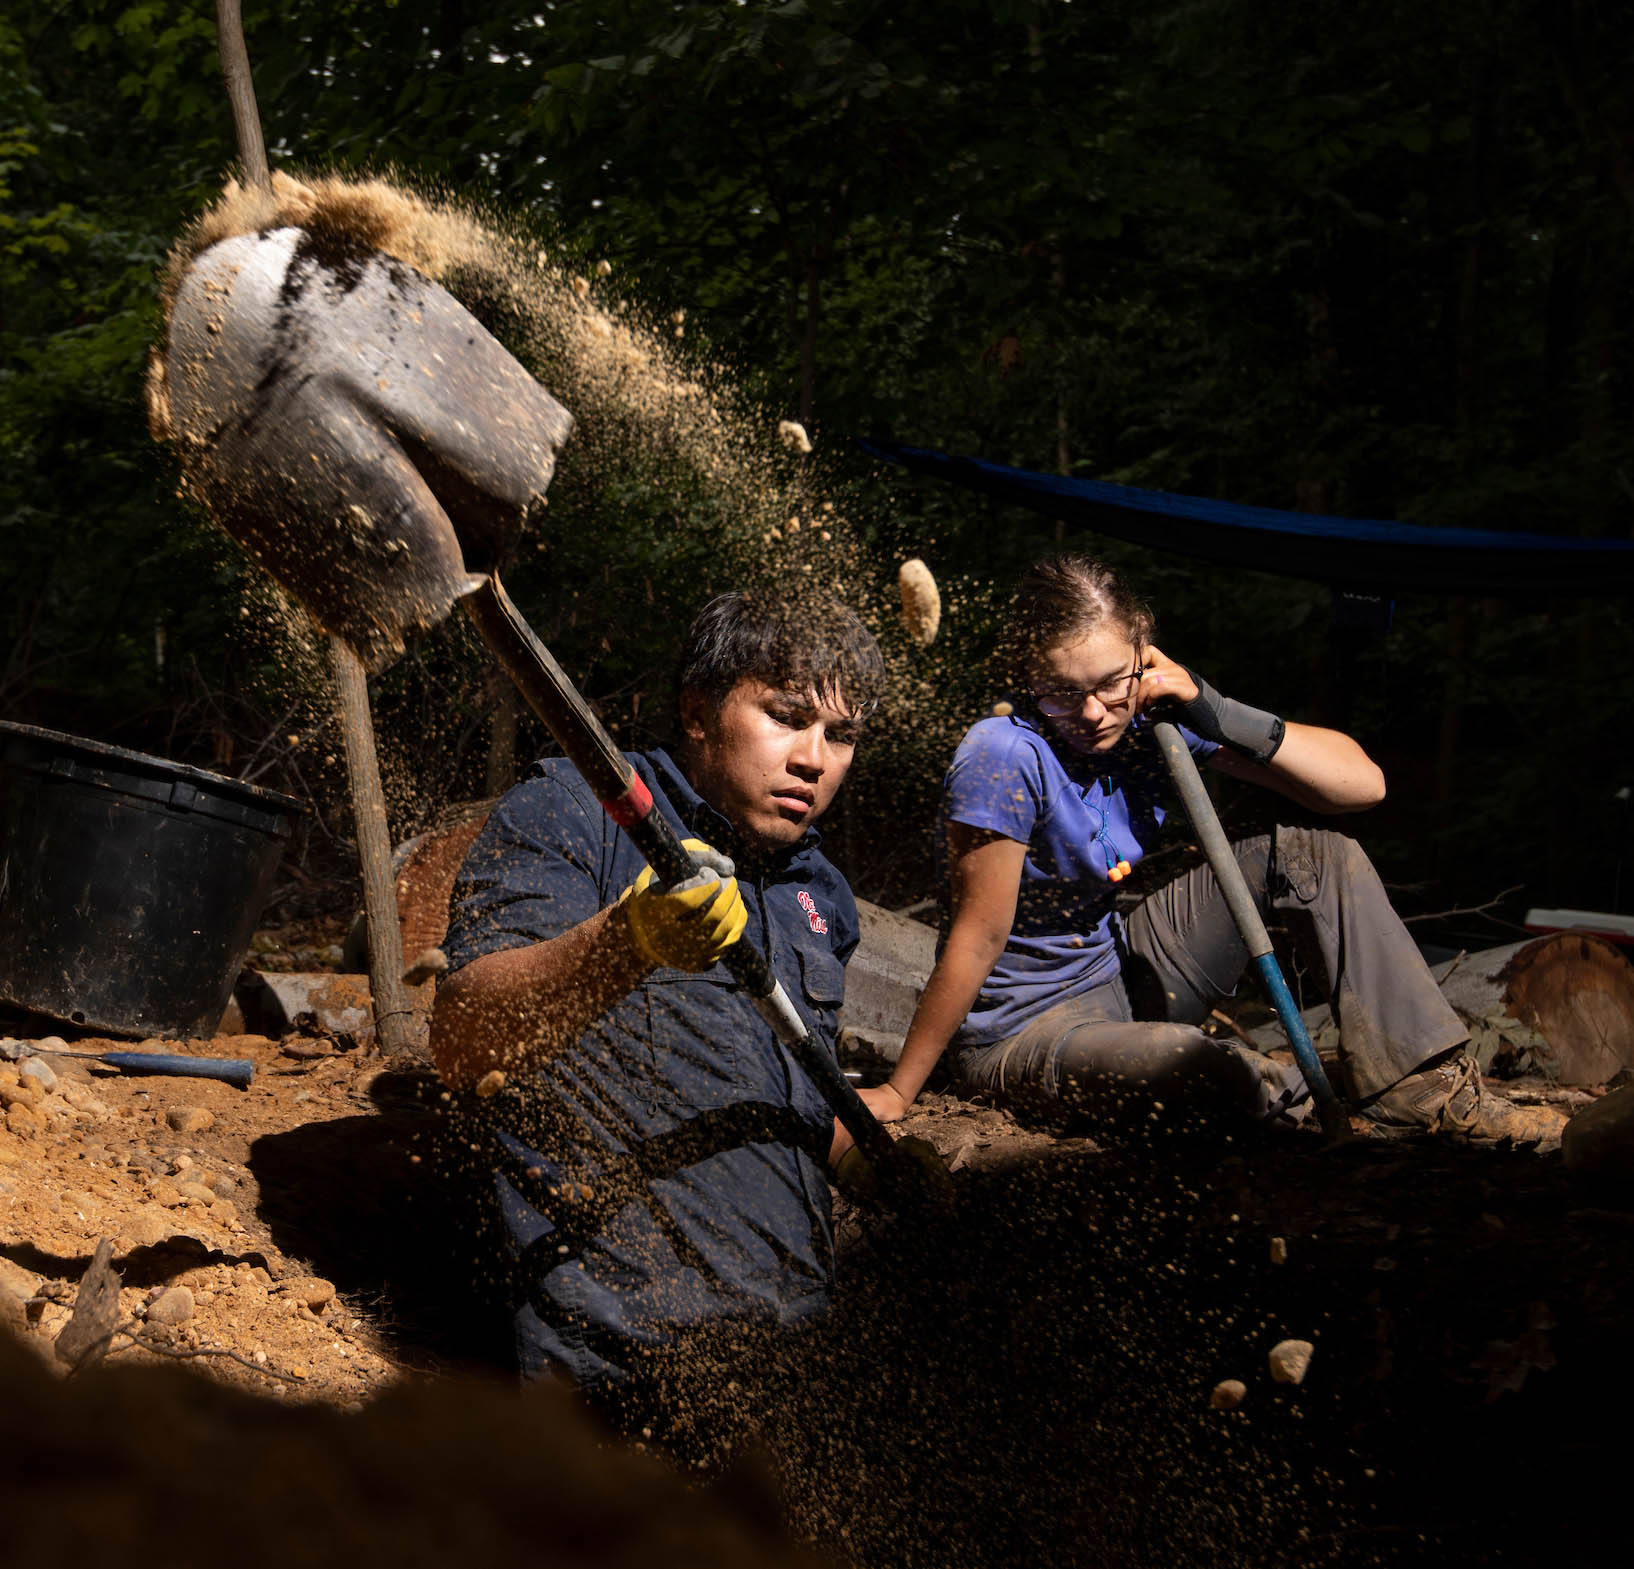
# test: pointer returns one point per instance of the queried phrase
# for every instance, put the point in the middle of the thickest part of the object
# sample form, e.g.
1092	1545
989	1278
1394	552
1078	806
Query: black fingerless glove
1251	731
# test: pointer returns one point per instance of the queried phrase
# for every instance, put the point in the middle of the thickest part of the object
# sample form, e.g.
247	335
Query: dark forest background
1369	259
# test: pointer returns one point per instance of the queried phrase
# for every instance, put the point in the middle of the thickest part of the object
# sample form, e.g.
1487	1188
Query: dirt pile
1034	1382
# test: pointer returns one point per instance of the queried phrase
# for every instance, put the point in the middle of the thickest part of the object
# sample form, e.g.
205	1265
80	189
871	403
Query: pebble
147	1226
83	1099
310	1292
163	1191
17	1280
1228	1394
21	1122
196	1191
1289	1359
190	1119
51	1043
13	1315
20	1094
222	1185
174	1306
36	1068
491	1083
1279	1250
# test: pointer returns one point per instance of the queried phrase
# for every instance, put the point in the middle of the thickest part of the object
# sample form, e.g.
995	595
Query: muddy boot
1450	1098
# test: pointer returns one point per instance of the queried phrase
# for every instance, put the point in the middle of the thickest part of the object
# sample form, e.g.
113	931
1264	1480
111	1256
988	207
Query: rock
224	1210
38	1069
1228	1394
22	1093
13	1315
11	1048
163	1191
310	1292
147	1226
22	1122
81	1098
197	1192
491	1083
1289	1359
190	1119
1279	1250
51	1043
18	1280
174	1306
221	1184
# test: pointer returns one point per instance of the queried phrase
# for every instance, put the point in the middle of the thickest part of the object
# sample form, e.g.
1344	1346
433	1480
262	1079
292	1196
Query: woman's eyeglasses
1064	702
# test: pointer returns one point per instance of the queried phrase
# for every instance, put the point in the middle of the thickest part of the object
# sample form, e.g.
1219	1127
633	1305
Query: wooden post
393	1019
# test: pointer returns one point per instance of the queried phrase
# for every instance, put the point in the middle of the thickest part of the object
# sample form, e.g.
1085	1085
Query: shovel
1200	809
380	453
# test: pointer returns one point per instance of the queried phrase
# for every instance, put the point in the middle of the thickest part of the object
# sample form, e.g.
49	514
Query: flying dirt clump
921	602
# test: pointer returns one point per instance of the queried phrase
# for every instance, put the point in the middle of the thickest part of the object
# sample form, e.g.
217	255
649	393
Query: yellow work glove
689	926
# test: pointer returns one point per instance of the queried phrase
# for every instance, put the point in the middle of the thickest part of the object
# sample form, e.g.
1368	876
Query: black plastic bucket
129	886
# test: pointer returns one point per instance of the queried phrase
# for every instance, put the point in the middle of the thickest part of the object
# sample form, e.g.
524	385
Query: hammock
1360	556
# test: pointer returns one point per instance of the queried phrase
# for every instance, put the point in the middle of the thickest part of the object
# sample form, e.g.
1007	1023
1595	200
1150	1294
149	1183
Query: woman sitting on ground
1042	987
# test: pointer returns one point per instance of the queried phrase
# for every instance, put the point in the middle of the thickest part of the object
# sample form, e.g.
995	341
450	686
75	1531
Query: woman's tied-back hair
1061	599
807	643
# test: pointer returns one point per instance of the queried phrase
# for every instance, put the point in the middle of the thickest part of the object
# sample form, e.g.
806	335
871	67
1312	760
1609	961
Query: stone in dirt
147	1226
17	1280
310	1291
190	1119
196	1191
21	1121
1228	1394
13	1315
40	1071
174	1306
1279	1250
1289	1359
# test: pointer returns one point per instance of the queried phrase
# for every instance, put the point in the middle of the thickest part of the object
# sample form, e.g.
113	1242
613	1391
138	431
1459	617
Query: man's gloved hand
915	1179
689	926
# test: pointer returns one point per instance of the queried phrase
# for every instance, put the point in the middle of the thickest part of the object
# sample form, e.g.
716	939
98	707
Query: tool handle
551	694
232	1070
1205	820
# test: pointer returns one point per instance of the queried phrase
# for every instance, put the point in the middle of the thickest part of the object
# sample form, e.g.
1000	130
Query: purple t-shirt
1078	816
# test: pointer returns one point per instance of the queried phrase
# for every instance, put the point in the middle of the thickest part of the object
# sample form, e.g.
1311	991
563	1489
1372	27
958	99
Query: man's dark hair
812	643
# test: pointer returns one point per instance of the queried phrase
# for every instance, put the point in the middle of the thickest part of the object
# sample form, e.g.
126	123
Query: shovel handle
232	1070
1205	820
551	694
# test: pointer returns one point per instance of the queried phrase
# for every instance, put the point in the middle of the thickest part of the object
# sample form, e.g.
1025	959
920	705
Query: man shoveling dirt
659	1159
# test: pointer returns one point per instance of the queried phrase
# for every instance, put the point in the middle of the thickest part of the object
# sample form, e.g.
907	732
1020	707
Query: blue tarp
1362	554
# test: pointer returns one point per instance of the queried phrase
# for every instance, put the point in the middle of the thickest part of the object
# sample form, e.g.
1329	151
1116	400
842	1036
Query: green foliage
1362	260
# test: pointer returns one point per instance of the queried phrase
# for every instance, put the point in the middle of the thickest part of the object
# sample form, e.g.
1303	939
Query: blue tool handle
233	1070
1335	1123
1223	862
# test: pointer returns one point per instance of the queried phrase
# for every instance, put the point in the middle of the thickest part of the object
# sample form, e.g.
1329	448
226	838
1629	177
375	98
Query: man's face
768	759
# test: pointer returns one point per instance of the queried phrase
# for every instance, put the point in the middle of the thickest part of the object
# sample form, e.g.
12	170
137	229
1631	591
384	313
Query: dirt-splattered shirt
1079	817
667	1171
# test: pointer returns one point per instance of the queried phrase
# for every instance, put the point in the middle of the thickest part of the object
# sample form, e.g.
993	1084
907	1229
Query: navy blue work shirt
668	1170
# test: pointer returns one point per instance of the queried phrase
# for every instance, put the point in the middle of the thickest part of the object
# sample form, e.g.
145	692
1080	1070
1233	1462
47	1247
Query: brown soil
1029	1381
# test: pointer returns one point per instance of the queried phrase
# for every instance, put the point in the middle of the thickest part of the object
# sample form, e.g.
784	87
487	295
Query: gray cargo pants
1138	1033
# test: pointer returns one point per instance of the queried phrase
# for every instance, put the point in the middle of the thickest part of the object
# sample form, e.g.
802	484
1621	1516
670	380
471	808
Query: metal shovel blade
355	428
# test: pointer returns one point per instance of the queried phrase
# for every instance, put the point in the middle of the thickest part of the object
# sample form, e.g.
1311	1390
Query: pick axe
364	436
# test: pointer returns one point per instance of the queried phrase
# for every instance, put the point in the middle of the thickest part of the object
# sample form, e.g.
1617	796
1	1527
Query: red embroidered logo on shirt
809	905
